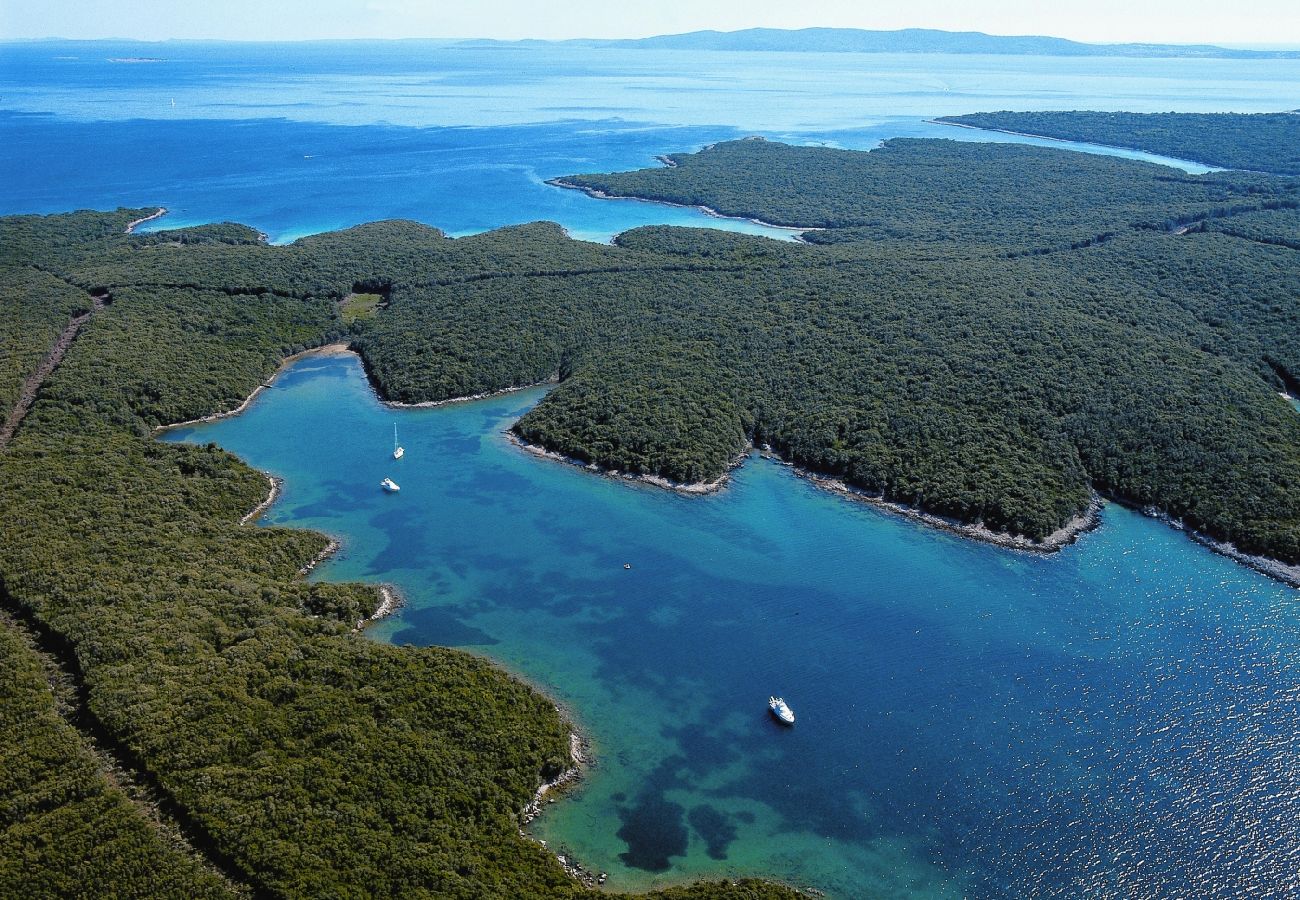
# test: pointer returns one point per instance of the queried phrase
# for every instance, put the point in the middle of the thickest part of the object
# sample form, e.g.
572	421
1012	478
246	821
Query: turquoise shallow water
1120	719
300	138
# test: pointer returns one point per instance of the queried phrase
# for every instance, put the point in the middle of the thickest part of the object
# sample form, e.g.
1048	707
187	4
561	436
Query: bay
1119	719
299	138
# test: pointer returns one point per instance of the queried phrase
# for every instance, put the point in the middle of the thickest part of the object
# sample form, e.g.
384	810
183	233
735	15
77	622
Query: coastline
580	747
581	758
335	349
330	549
252	515
1276	569
693	488
797	231
1048	137
430	404
1067	534
158	214
390	598
1062	537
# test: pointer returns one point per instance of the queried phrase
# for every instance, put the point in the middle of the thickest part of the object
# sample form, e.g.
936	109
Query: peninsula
993	334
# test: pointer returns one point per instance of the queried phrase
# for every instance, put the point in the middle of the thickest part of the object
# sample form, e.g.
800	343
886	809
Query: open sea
1121	719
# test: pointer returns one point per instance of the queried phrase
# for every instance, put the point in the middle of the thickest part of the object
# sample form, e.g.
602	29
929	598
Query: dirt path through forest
31	387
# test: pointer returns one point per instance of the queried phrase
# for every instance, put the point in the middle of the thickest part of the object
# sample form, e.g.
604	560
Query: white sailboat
397	448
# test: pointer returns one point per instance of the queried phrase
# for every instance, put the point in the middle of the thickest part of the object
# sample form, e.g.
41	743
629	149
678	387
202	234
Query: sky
1273	22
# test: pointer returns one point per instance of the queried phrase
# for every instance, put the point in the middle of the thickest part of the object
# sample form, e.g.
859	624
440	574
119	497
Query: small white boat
389	485
397	448
779	708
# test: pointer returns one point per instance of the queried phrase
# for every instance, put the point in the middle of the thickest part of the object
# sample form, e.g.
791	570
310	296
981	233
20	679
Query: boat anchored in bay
389	485
781	710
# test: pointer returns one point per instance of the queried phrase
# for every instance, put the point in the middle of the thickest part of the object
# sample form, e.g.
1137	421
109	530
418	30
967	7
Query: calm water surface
295	139
1121	719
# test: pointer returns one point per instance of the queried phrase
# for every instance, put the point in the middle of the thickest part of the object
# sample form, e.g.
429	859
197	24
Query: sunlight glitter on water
1120	719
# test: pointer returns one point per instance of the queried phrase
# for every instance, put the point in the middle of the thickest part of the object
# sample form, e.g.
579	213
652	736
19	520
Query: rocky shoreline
1086	521
1067	534
430	404
1286	573
133	225
276	486
330	549
580	754
695	488
390	600
335	349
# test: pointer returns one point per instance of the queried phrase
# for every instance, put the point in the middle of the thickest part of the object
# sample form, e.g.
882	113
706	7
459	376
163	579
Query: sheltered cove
191	491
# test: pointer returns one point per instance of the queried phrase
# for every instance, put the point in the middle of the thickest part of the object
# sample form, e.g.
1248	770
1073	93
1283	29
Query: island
903	40
992	336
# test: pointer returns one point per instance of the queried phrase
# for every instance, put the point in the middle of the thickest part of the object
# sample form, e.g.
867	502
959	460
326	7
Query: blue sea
295	139
1121	719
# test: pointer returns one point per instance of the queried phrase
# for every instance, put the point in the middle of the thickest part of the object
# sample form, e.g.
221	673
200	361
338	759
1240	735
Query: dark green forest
1260	142
299	757
991	333
985	331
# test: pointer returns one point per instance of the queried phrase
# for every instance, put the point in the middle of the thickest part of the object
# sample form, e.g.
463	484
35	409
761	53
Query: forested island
991	333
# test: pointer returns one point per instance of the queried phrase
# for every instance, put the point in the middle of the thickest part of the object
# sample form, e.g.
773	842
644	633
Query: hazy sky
1174	21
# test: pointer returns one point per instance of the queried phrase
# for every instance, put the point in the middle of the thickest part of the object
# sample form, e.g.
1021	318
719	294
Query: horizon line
1264	46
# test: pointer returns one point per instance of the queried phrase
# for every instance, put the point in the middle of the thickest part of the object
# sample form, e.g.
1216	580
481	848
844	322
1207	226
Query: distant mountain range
910	40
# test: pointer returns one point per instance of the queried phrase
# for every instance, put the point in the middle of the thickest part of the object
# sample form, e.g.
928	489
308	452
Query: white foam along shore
157	214
797	232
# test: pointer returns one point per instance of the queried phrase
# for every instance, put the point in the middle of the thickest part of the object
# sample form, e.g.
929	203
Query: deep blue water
294	139
1121	719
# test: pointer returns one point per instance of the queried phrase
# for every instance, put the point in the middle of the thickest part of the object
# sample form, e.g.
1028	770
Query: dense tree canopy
986	332
1261	142
304	757
1093	328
